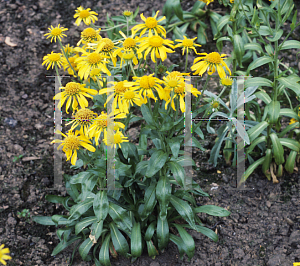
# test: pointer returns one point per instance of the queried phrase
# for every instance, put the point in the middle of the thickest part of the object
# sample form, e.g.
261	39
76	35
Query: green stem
186	61
132	69
63	50
204	88
120	25
127	26
128	70
234	62
275	70
156	67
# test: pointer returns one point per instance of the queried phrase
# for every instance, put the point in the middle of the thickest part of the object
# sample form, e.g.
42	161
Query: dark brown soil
264	225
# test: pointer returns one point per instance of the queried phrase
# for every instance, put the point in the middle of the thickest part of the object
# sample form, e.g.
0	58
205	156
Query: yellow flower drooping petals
53	59
207	2
129	98
89	35
71	144
212	61
227	81
115	139
85	15
56	32
3	254
187	44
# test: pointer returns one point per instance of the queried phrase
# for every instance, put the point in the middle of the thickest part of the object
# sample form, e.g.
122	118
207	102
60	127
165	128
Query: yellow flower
151	24
147	84
3	254
86	15
206	1
53	59
172	82
56	32
129	97
118	89
96	74
88	61
83	118
226	81
187	44
177	73
212	62
232	1
128	45
66	65
115	139
155	45
179	92
74	92
72	143
89	35
215	105
292	121
128	56
100	124
127	13
107	47
68	49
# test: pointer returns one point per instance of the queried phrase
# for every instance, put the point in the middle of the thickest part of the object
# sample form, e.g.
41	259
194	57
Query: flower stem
131	66
186	61
127	26
63	50
156	67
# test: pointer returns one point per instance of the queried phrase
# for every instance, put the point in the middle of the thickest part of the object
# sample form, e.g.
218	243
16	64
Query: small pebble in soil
10	121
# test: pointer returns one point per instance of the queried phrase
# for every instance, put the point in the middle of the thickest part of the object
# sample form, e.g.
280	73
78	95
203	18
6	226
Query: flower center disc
214	58
108	45
102	120
84	14
94	58
129	95
54	57
129	43
187	43
151	23
117	138
71	143
72	88
84	116
172	83
156	41
88	33
119	88
56	32
147	82
179	89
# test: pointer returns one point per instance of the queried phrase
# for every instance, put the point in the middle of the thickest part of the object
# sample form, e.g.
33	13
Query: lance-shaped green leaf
101	205
171	7
187	239
277	149
120	216
184	209
63	244
256	142
239	51
290	143
253	46
79	178
152	251
220	42
206	231
104	252
150	231
175	146
258	81
259	62
44	220
223	21
147	115
290	162
178	172
273	111
291	44
212	210
136	240
80	208
156	162
266	163
180	244
84	223
162	231
118	240
287	129
290	84
252	167
277	35
263	96
163	195
97	229
85	248
149	201
256	130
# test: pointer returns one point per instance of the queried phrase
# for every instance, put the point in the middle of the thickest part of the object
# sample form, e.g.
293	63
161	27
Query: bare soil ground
264	225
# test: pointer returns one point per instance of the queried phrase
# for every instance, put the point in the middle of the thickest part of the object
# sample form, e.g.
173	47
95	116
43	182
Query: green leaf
212	210
63	244
104	252
118	240
156	162
256	142
263	96
184	209
258	81
220	42
277	149
254	47
147	115
207	232
180	244
178	172
80	208
290	84
150	231
85	248
256	130
259	62
162	232
171	7
238	48
290	162
252	167
44	220
223	21
149	201
290	143
275	37
273	111
187	239
174	145
100	205
287	129
163	195
264	31
84	223
152	251
136	240
120	216
79	178
96	229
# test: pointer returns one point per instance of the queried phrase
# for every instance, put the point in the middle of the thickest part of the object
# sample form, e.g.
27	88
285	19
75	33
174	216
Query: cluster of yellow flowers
91	58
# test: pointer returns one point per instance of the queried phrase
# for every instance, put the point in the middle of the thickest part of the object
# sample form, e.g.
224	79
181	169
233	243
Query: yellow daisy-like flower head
207	2
74	92
3	254
187	44
150	24
127	13
56	32
292	121
155	45
85	15
129	98
177	73
212	61
172	82
115	139
227	81
88	61
71	144
100	124
50	60
89	35
66	65
107	47
215	104
127	57
83	118
68	49
95	74
130	44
